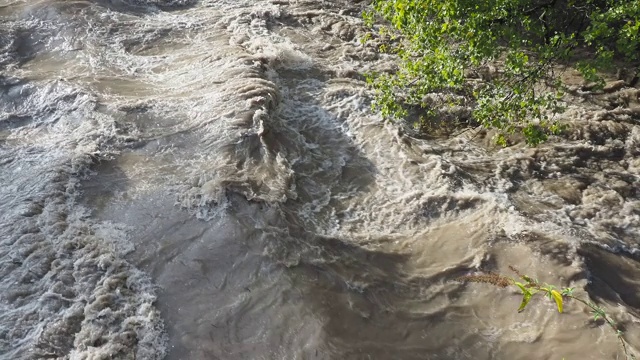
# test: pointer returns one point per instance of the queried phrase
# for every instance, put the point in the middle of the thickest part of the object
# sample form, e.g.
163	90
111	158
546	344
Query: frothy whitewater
205	180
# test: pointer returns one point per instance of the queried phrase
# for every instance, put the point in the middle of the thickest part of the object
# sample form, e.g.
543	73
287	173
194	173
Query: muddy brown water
205	180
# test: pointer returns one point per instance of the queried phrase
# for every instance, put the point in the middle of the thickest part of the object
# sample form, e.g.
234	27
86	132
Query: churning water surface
205	180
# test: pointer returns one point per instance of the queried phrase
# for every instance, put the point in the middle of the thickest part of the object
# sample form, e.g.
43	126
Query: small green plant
530	287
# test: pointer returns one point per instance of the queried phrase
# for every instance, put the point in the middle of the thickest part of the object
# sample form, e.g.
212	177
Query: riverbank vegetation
495	63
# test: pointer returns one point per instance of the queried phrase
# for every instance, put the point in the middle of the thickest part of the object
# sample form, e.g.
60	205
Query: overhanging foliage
440	42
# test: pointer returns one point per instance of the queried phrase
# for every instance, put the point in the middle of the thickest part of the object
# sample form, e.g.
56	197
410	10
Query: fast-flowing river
205	180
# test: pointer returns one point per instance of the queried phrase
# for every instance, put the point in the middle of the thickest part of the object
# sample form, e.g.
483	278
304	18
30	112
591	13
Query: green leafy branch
529	287
442	45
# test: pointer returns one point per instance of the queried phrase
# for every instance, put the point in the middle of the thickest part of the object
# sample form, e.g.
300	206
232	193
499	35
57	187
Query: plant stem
608	320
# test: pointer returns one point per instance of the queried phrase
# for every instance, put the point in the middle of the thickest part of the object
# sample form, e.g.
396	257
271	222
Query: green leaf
567	291
525	300
526	296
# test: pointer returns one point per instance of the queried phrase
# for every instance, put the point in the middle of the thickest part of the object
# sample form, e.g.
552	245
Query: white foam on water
68	292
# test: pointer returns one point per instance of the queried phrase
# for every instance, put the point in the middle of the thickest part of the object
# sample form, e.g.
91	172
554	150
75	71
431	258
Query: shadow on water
367	303
264	271
614	276
19	44
11	92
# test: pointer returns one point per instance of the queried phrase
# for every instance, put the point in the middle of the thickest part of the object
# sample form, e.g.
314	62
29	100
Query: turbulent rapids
205	180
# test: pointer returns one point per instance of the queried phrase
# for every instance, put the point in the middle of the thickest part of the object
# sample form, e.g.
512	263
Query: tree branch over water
439	42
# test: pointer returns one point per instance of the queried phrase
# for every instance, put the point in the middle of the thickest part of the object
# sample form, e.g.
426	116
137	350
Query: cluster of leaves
439	42
530	287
